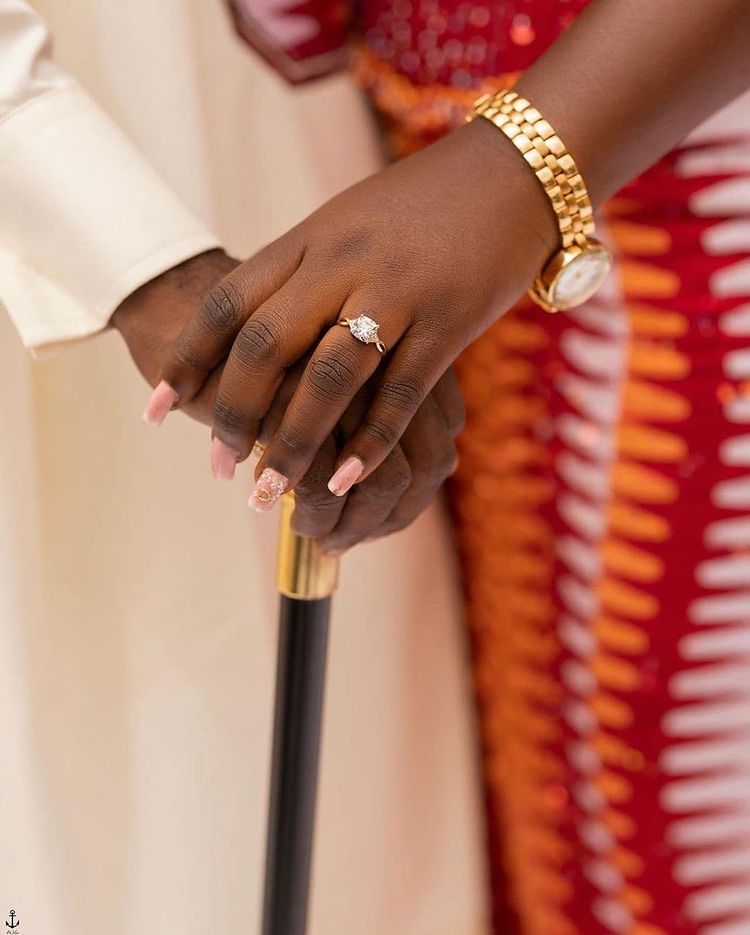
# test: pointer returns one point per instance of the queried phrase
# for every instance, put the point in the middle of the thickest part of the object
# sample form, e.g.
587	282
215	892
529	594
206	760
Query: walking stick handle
303	572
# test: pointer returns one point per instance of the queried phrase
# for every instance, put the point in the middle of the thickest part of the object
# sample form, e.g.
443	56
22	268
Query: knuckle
346	535
186	357
256	343
314	513
401	479
332	375
400	518
390	482
443	464
314	501
312	494
406	392
456	419
313	525
350	244
439	323
283	304
456	423
380	432
289	442
393	524
220	311
229	416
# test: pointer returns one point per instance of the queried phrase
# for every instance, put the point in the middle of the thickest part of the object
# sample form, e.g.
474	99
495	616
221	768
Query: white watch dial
580	278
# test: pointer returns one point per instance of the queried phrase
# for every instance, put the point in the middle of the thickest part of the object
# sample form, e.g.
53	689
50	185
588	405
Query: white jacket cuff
85	219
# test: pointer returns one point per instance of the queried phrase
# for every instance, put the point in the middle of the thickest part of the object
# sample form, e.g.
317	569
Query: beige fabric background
137	638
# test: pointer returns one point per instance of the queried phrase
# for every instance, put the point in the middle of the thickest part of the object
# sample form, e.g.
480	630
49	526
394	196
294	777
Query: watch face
579	279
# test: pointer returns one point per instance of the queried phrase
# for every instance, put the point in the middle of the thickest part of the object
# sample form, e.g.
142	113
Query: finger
275	414
316	510
370	504
406	382
272	340
447	395
337	370
224	458
206	338
201	406
430	451
381	493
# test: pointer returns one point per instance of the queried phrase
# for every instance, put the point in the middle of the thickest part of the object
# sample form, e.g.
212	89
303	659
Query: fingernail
269	487
332	553
223	460
162	400
346	476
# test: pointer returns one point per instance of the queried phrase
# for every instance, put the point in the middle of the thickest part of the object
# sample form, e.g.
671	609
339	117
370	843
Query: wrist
192	277
152	317
580	263
503	170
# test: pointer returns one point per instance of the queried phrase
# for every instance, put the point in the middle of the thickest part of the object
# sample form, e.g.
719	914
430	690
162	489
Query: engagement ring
365	330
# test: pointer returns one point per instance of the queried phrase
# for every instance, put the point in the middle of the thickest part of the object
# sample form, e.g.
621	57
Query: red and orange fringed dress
602	510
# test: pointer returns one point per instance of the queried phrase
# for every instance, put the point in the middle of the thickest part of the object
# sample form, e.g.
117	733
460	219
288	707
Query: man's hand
150	321
396	493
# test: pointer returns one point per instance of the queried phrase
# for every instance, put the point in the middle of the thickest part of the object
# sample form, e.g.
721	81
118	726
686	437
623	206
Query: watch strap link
547	156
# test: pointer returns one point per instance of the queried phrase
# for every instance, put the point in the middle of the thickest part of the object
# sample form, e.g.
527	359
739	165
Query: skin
436	247
150	321
401	267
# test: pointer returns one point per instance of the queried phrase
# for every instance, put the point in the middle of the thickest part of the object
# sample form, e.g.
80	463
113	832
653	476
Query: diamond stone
364	328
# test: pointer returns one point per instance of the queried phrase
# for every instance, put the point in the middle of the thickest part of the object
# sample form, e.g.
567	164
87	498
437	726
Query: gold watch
575	271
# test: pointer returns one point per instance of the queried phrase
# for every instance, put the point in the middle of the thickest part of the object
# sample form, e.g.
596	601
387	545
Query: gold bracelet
578	269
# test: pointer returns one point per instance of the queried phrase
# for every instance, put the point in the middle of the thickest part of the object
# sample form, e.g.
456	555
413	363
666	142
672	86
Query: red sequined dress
602	512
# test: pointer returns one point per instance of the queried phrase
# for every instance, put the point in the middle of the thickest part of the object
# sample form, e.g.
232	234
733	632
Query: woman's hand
151	319
433	249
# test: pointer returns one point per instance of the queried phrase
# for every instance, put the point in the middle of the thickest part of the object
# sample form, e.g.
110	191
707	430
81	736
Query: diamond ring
365	330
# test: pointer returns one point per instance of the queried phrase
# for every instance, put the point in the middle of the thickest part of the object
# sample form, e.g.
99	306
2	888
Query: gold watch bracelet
546	154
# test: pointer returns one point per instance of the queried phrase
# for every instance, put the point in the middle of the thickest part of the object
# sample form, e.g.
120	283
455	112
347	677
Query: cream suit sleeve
84	219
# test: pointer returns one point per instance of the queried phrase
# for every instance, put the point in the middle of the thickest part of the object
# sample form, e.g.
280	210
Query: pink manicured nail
270	486
223	460
346	476
161	401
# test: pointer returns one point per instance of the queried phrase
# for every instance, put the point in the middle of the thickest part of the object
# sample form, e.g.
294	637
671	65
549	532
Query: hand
393	495
433	248
151	319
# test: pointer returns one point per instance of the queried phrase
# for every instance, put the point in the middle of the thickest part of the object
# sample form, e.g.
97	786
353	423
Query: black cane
306	580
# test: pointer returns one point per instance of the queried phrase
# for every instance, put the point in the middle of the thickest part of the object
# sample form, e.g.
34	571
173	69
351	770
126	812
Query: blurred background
136	594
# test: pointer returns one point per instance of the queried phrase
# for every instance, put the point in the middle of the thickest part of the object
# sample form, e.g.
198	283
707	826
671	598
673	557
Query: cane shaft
305	579
300	682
